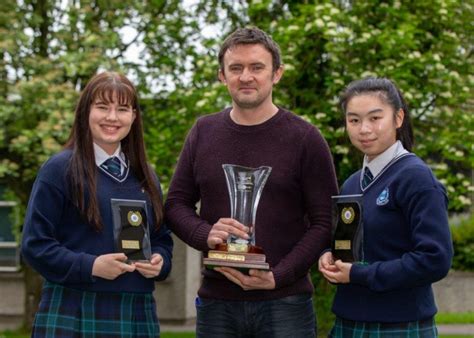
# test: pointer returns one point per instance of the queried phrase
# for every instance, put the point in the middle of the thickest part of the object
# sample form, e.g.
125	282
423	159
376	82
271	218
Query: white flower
341	150
319	23
201	103
446	94
367	74
464	200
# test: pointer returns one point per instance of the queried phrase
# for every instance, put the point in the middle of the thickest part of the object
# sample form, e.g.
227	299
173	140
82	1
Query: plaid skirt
418	329
65	312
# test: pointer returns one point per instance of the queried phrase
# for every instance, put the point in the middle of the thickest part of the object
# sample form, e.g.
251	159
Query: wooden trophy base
251	258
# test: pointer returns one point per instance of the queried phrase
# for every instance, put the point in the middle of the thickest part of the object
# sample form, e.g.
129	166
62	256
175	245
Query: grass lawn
10	334
178	335
455	318
16	334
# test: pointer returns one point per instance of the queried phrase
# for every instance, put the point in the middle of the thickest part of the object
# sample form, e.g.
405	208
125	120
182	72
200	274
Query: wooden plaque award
245	187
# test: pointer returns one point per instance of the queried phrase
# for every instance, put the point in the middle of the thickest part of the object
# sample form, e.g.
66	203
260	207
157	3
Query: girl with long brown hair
90	288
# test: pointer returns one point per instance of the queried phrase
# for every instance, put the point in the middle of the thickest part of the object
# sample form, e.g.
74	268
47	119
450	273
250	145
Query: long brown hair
82	168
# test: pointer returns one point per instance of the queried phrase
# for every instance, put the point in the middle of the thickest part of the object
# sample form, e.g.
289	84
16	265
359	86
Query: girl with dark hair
407	244
90	289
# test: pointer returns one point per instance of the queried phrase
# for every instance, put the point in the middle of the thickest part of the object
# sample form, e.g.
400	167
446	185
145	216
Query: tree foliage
49	50
424	46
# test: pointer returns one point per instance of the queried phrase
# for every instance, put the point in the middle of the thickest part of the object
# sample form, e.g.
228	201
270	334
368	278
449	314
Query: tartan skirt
65	312
417	329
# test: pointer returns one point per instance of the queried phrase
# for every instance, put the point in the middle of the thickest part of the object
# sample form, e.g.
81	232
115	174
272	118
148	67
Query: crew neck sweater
62	247
407	245
293	219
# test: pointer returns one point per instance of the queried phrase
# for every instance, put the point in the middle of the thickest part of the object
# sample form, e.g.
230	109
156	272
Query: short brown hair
250	36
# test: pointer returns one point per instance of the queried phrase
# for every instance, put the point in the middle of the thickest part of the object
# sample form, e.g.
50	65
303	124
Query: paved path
460	329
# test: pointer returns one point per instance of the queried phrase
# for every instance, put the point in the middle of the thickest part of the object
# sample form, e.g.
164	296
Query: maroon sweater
293	222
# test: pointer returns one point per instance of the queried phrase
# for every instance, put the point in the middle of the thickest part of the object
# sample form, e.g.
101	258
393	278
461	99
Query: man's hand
223	228
110	266
256	280
152	269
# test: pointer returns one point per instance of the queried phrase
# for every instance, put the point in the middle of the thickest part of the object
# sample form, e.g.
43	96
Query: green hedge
324	294
463	242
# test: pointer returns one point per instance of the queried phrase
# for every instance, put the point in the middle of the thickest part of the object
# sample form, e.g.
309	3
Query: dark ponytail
390	94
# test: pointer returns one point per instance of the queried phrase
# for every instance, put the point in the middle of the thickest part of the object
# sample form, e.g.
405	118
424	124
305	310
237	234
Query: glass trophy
245	186
131	233
348	231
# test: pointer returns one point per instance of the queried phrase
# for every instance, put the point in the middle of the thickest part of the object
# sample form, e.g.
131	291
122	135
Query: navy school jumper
62	247
407	245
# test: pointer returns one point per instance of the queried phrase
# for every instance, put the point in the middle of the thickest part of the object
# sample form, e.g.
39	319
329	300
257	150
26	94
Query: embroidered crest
134	218
383	197
347	215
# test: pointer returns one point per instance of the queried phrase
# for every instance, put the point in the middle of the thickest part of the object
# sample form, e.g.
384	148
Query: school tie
112	165
368	177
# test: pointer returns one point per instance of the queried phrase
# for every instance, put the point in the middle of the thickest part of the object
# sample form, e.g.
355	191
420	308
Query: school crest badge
383	197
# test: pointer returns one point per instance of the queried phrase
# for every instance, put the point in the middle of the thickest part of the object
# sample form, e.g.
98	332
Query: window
9	250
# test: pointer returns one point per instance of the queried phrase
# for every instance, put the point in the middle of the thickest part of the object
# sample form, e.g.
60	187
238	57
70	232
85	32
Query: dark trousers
292	316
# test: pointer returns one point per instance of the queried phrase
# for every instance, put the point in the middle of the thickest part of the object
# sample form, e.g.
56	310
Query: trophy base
243	261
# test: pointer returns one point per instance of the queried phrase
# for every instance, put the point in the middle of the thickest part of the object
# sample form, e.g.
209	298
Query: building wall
12	300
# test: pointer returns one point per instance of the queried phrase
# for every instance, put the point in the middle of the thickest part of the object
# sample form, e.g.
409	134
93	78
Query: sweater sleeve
40	246
318	182
183	194
424	204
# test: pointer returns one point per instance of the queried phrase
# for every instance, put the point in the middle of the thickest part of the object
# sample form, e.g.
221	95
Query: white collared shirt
378	163
101	156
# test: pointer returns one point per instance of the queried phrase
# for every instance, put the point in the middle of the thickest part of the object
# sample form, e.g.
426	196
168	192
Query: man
293	223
